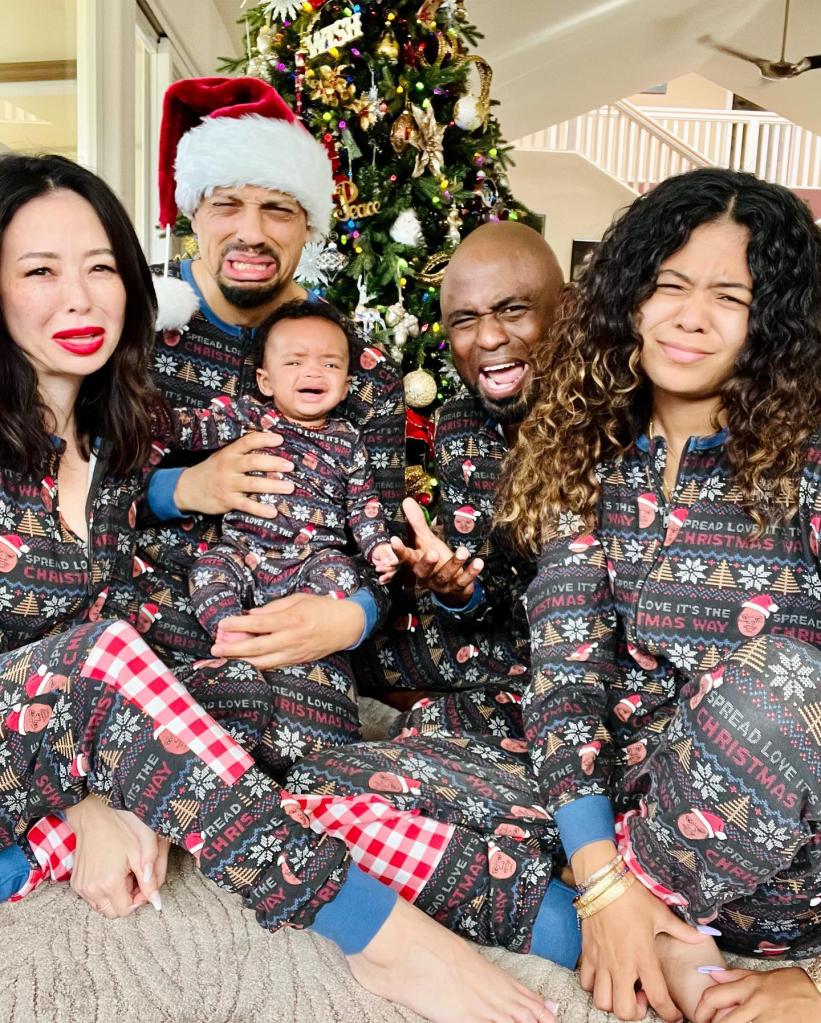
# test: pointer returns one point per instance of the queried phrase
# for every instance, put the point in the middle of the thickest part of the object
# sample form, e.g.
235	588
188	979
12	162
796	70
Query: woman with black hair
669	478
92	723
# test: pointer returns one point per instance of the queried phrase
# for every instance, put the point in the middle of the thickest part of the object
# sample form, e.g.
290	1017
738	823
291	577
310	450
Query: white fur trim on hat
176	303
225	152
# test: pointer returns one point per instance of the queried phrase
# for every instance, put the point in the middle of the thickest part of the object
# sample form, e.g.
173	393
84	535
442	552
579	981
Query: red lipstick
80	340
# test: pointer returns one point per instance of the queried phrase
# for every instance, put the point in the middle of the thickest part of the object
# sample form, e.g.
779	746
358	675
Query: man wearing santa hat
256	187
754	613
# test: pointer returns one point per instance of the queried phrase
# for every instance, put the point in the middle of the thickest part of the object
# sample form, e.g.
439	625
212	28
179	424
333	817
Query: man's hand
119	863
449	574
298	629
223	481
774	996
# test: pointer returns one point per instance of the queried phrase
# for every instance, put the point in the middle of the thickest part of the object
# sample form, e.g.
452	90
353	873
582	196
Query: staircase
640	150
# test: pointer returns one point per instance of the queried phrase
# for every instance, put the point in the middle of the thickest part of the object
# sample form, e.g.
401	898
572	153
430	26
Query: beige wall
577	199
688	91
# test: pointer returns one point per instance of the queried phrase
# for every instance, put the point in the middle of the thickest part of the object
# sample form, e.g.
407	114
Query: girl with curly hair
669	477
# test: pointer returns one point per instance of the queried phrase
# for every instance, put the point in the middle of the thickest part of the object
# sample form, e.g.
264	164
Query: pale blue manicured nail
710	969
704	929
553	1006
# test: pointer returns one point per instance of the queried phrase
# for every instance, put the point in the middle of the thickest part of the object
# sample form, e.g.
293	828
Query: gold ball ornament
388	47
420	388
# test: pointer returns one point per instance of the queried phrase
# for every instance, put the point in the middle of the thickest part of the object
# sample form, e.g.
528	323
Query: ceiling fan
772	70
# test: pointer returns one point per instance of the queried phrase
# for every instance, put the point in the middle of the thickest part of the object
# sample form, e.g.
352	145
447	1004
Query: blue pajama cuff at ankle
366	600
585	820
14	871
556	931
357	913
160	494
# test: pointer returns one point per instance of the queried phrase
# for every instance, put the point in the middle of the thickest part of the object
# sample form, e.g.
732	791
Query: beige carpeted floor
202	960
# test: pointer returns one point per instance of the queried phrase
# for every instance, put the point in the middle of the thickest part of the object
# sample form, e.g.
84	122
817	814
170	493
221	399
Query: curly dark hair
303	309
594	398
115	402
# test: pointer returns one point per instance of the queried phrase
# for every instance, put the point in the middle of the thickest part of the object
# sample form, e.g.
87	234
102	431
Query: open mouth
504	379
242	267
82	341
311	393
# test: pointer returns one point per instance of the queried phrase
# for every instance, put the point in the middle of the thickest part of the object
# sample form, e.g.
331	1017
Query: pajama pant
311	706
117	723
722	820
222	582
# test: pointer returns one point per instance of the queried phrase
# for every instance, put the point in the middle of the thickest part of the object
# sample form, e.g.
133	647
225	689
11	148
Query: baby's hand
385	561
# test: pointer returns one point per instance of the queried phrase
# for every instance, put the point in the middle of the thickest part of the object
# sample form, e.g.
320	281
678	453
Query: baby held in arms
293	543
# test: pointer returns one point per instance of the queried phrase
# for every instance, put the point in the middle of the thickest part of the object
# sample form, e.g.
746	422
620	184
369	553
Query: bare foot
415	961
679	964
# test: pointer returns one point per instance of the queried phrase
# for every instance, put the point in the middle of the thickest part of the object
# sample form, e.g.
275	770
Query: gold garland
434	269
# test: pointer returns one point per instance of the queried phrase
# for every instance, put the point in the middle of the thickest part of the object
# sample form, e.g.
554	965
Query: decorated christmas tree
404	110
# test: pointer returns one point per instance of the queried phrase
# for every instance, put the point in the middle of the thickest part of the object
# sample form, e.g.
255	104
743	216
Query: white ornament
368	318
466	113
402	323
177	302
319	263
406	229
338	33
282	9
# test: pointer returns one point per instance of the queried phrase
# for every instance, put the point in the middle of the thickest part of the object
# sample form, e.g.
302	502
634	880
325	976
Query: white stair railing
621	140
758	141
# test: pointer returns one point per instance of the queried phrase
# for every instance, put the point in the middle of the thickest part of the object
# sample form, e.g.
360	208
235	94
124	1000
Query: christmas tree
404	111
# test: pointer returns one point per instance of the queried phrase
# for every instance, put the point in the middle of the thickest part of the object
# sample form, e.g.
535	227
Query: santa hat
80	766
14	543
15	719
649	500
632	703
38	683
712	822
678	516
583	543
140	565
224	132
716	676
581	653
410	785
763	604
193	842
150	611
468	512
589	747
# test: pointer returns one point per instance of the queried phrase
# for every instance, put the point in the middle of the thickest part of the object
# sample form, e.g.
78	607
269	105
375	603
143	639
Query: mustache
251	250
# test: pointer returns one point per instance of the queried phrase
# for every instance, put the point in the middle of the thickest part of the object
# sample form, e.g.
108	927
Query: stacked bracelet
603	887
813	971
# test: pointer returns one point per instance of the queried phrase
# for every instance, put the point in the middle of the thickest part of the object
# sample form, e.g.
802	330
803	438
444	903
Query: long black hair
115	402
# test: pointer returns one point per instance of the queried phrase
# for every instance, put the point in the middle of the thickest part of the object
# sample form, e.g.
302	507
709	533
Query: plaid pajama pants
94	710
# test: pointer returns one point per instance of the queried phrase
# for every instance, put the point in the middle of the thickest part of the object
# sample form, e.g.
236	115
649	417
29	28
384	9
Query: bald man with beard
465	632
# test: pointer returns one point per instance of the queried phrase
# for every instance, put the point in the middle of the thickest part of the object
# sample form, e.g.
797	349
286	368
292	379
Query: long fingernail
156	901
710	969
553	1006
704	929
148	870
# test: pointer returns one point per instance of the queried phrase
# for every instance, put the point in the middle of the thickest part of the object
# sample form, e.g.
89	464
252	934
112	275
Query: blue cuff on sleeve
476	599
357	913
556	931
160	493
586	820
14	871
366	600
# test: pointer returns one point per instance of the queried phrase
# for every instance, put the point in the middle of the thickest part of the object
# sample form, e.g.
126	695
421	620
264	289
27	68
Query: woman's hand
119	863
298	629
449	574
619	949
222	482
774	996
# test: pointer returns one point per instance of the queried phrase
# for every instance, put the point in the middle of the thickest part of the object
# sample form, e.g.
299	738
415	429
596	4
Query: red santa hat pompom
224	132
764	604
713	824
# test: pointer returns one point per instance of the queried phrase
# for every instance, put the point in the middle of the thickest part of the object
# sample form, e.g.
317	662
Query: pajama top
662	593
334	489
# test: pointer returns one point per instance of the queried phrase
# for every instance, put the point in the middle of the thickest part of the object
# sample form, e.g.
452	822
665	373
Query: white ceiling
553	59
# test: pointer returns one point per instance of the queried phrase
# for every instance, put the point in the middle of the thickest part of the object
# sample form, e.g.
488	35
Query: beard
509	411
248	297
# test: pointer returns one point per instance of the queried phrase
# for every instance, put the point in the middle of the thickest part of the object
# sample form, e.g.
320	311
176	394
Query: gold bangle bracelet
813	971
600	887
617	889
588	882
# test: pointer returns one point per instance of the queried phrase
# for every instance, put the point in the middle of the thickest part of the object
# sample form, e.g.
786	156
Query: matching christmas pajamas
301	550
